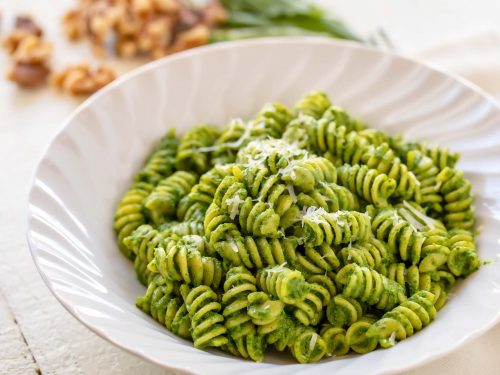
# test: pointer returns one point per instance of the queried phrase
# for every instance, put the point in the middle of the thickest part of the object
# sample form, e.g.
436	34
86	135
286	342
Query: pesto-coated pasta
161	162
335	227
300	229
238	285
130	213
162	203
191	153
312	104
372	186
402	321
206	321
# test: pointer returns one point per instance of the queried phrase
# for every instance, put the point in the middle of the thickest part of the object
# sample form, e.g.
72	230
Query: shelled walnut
30	53
152	27
81	80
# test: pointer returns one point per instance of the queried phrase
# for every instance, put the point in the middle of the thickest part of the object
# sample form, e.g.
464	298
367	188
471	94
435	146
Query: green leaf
279	17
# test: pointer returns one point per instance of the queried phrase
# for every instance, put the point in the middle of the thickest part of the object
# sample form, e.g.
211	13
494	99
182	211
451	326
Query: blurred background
36	334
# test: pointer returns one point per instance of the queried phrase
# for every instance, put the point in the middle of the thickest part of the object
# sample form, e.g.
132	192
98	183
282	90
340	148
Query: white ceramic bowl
92	160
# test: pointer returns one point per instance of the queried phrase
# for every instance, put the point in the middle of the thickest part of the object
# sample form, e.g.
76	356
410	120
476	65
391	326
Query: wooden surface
36	334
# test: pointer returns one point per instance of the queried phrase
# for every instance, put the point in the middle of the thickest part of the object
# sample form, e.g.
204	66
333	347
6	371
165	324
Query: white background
36	333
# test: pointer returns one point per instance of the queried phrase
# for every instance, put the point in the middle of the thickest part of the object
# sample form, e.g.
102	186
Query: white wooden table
36	334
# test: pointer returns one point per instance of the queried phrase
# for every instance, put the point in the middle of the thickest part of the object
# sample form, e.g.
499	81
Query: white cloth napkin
476	57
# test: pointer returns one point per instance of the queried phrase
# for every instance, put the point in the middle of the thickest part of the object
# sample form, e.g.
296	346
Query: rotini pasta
161	162
456	193
238	285
372	186
162	203
304	230
206	321
335	227
402	321
185	263
130	213
313	104
192	154
384	159
369	286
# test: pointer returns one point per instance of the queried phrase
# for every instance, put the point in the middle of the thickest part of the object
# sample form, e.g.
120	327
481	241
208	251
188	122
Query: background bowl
93	158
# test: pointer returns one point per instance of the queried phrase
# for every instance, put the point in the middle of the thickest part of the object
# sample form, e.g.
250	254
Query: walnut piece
81	80
74	24
32	50
194	37
30	53
27	24
28	75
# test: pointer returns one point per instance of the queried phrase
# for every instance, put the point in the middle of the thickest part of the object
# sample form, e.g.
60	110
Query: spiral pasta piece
369	184
258	219
252	345
335	228
329	196
463	258
369	286
144	275
218	225
269	122
230	195
357	337
340	116
456	192
192	151
130	214
343	311
373	254
327	282
268	188
336	342
283	283
435	250
161	302
143	242
161	162
185	263
272	154
238	285
257	252
270	318
333	139
441	156
307	346
203	192
376	137
408	277
182	229
384	159
316	260
426	172
206	321
309	311
404	320
400	235
314	104
306	174
273	117
161	204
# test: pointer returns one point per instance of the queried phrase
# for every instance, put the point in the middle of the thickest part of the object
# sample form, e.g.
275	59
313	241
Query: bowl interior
92	160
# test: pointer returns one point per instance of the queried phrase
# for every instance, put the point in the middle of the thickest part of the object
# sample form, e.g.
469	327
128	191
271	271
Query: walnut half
81	80
30	53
